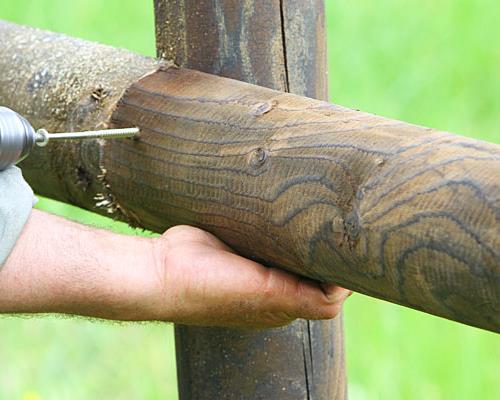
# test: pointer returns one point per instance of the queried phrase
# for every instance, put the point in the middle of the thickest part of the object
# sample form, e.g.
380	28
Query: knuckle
188	233
274	285
178	230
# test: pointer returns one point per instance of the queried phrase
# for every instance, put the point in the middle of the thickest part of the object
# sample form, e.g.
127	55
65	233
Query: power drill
17	137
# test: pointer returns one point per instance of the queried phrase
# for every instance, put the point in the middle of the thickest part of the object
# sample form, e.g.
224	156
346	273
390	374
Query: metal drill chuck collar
17	138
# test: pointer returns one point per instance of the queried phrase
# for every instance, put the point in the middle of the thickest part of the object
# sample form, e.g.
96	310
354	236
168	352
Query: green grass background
431	62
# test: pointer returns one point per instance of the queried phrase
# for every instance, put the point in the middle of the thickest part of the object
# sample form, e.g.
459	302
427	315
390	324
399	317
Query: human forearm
60	266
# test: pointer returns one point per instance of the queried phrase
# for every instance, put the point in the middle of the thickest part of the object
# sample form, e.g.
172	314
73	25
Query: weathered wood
64	84
393	210
400	212
280	45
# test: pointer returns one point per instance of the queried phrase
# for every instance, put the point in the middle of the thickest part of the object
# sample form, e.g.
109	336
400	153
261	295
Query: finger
314	303
335	293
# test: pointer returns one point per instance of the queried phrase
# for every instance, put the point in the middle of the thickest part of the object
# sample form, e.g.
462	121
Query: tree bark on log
280	45
396	211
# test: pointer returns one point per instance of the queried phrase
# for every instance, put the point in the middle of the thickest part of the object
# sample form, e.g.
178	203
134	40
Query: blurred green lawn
430	62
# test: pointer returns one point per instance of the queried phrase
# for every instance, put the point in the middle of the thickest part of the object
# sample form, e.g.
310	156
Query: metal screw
42	137
17	137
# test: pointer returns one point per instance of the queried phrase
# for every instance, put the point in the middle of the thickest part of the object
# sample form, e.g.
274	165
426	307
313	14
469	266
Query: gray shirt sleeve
16	202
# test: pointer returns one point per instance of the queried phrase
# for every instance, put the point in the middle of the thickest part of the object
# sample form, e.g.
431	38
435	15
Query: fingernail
337	294
345	294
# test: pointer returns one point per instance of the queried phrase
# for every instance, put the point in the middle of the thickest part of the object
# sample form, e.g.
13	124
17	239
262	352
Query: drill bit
42	137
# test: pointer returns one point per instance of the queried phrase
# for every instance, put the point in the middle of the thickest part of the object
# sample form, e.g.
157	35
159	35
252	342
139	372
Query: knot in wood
263	108
352	228
100	93
257	157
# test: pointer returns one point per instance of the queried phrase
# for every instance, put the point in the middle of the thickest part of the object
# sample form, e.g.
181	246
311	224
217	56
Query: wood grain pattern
280	45
396	211
231	38
400	212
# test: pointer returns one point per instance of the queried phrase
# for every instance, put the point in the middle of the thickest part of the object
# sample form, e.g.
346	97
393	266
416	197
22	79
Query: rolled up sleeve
16	202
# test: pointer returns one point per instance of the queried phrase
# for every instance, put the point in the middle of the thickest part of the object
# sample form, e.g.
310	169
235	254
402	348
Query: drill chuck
17	138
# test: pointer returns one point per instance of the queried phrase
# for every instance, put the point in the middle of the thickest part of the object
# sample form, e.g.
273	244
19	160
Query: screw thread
101	134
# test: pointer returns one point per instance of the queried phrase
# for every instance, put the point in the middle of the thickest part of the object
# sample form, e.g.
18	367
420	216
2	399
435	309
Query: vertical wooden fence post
279	44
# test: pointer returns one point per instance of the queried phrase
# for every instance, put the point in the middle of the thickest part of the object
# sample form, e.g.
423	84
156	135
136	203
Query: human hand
203	282
186	276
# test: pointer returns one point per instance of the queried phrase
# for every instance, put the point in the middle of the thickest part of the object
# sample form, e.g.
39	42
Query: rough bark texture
280	45
396	211
64	84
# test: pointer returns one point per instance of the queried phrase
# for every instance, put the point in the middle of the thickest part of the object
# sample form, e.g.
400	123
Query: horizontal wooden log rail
396	211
